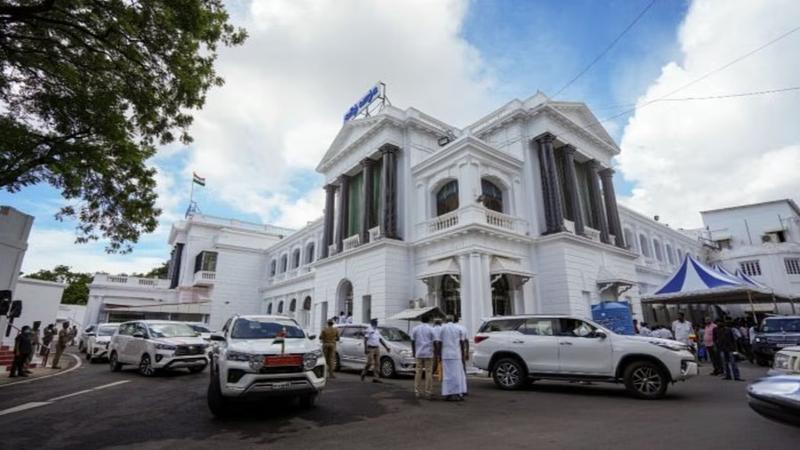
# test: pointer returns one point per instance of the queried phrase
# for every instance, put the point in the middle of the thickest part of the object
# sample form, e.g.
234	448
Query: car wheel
197	369
112	361
387	368
509	374
308	401
146	366
217	403
646	380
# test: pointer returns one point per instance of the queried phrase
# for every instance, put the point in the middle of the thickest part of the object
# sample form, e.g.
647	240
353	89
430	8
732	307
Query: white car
98	340
201	329
518	349
264	356
153	345
786	362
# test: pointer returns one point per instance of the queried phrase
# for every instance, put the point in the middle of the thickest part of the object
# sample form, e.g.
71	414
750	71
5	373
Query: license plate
281	385
283	361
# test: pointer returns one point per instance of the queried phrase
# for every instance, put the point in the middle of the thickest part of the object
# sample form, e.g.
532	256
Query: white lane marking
23	407
80	363
86	391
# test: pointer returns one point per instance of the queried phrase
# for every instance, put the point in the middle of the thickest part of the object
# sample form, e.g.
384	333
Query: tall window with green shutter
355	204
376	193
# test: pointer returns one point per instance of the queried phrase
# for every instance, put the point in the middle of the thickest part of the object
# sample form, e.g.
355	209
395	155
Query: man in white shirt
644	330
342	319
422	338
372	343
682	328
450	345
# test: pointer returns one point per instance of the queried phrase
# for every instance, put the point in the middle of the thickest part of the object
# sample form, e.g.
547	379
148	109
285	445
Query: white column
486	287
467	310
529	297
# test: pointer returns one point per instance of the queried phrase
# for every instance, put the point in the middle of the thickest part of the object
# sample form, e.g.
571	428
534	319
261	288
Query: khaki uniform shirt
63	338
329	335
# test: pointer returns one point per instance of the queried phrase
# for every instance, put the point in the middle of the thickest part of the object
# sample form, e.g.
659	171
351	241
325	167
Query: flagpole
191	192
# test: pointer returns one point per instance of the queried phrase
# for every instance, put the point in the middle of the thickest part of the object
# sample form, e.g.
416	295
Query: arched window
451	298
293	305
296	259
657	246
447	198
280	307
492	196
629	240
284	263
307	303
670	256
310	253
269	308
273	266
644	246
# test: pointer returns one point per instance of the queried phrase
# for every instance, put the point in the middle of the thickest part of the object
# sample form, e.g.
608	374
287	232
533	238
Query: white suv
153	345
264	356
98	340
518	349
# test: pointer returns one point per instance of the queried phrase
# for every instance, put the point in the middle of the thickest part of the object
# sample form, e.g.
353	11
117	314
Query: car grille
286	369
184	350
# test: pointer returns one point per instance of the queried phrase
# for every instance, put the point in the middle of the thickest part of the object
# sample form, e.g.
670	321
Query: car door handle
517	341
565	343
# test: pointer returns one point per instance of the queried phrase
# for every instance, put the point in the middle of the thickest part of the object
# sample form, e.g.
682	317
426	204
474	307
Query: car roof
109	324
148	321
782	317
533	316
266	317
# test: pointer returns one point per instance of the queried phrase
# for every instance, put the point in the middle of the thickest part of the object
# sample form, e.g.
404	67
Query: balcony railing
351	242
472	215
332	250
102	278
375	234
204	278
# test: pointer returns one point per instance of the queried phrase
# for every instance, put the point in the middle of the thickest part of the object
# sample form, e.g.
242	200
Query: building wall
40	301
15	227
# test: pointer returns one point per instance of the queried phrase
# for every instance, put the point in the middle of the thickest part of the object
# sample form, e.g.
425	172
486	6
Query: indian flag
279	339
198	179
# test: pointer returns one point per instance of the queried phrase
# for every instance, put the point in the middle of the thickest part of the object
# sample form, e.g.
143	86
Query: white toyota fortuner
520	349
153	345
264	356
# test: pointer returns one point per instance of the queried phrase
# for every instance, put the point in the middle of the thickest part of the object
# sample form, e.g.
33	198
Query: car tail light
479	339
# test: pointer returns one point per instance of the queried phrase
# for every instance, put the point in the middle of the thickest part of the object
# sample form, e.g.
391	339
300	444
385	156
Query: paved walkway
67	362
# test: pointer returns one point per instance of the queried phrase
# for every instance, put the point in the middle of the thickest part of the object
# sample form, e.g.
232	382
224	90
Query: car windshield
778	325
167	330
107	331
267	329
393	334
200	329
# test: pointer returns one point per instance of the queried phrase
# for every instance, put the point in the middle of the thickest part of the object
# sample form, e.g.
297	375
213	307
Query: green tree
157	272
89	88
76	291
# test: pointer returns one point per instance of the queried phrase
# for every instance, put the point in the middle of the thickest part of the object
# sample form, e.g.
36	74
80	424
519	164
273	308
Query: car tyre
217	403
308	401
387	368
197	369
646	380
146	366
509	374
112	361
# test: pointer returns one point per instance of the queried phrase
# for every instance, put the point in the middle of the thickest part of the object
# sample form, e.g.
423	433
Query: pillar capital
568	149
342	179
367	162
545	137
389	148
330	187
595	165
607	173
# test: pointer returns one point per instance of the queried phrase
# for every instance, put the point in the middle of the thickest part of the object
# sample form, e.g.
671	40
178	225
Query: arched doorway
451	296
344	298
501	297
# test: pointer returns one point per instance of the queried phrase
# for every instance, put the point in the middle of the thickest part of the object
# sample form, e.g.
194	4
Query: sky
260	136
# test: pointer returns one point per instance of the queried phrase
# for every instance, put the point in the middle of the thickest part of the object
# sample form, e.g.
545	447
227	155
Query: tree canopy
76	291
89	88
156	272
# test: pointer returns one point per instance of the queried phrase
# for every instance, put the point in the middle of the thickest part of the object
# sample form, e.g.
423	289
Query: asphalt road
92	407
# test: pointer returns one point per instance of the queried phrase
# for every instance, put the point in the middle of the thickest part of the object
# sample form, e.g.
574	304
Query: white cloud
288	86
689	156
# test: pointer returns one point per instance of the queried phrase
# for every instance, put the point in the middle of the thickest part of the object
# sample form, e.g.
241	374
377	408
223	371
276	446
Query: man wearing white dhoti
450	348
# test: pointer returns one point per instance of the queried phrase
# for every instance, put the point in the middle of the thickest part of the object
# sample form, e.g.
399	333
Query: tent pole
752	307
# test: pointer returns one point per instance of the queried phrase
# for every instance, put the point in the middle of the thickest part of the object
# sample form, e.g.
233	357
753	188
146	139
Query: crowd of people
440	351
32	340
718	341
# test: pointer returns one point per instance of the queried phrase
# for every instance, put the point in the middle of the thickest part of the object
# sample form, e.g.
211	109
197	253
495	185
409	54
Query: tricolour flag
198	179
279	339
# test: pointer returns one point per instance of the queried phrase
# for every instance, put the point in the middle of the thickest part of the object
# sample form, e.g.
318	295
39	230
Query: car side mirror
312	336
217	337
138	335
599	334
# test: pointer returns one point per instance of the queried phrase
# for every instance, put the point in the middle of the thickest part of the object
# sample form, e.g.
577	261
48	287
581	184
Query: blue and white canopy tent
695	283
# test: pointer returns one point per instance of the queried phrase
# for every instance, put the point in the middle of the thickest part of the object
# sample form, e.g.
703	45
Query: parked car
350	351
264	356
520	349
98	341
786	362
154	345
202	329
777	398
775	333
83	337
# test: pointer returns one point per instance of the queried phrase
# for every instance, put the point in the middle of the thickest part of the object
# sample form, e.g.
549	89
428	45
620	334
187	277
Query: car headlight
310	359
781	362
674	346
406	353
166	347
237	356
759	339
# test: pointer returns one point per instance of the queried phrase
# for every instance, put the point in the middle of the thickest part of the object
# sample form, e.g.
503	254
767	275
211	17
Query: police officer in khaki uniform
329	337
64	336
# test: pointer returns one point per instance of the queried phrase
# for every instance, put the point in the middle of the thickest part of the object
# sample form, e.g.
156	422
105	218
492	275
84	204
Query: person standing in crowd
372	343
47	339
635	326
708	342
437	361
682	329
342	319
644	330
725	338
422	339
36	337
349	319
73	333
450	348
23	347
61	343
329	337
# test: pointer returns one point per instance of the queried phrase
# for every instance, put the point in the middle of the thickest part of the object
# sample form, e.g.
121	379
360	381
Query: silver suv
350	351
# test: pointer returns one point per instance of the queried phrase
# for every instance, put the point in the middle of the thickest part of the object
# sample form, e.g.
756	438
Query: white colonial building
513	214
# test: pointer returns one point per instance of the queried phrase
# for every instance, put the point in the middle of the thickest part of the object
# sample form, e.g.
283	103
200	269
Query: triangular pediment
350	132
583	117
